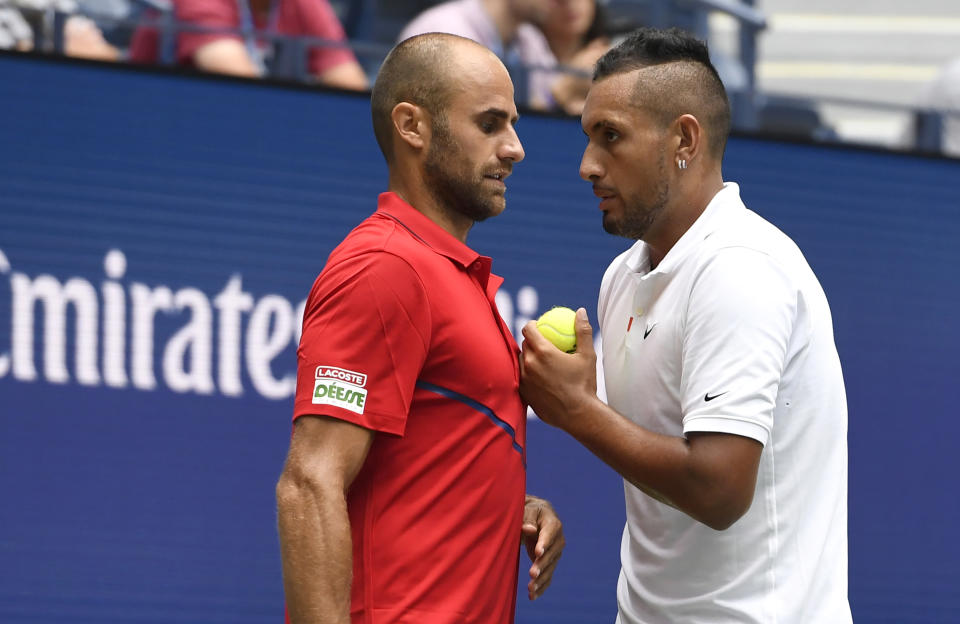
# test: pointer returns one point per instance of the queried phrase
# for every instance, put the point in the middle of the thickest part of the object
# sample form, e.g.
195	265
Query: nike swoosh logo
707	396
648	330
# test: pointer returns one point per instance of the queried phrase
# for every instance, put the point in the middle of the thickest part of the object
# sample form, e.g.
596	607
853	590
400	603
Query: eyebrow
603	123
499	113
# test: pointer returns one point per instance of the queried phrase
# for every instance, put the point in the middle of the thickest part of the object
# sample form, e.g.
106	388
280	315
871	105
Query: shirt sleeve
739	320
365	339
316	18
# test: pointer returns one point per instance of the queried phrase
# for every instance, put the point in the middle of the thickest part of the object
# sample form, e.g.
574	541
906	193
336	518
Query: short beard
453	190
637	217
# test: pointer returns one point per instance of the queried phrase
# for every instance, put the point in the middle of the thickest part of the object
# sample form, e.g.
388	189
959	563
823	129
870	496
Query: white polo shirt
732	333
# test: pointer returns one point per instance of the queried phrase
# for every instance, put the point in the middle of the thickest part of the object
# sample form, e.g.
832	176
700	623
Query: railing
752	111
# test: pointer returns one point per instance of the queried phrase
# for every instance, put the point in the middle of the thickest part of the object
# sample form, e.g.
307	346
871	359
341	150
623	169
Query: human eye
488	125
610	135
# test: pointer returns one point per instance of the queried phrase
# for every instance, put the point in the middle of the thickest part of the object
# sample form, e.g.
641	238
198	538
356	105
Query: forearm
225	56
347	75
316	550
664	467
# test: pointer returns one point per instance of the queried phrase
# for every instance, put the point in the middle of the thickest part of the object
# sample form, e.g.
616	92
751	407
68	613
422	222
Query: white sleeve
739	320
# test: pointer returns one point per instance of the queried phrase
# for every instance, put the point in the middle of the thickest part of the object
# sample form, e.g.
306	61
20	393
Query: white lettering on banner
146	303
95	324
114	321
196	338
4	357
55	298
231	303
526	309
264	345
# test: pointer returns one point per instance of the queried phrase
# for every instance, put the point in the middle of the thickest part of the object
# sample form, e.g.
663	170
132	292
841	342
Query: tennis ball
557	326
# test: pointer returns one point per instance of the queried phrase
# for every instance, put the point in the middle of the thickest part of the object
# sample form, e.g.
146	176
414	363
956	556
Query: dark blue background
120	505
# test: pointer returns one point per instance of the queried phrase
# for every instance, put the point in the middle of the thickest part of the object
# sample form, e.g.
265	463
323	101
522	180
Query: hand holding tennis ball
558	325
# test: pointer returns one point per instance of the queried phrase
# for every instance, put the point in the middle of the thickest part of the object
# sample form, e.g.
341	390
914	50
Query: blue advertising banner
158	237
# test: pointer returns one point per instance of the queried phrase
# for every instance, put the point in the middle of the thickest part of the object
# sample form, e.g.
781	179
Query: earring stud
681	164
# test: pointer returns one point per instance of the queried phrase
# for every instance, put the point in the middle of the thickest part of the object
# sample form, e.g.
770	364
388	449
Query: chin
612	226
489	211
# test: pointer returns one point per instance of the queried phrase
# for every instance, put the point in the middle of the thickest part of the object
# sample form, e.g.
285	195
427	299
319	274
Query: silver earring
681	164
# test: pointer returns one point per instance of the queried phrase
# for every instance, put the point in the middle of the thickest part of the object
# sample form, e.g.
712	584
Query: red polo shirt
401	335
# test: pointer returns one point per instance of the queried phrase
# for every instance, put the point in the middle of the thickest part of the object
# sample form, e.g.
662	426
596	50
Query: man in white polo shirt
726	411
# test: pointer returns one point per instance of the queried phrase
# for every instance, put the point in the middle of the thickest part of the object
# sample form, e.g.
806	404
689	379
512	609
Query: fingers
543	534
541	572
532	335
529	533
584	333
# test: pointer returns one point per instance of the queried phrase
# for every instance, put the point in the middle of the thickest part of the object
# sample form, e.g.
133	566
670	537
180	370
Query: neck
414	192
503	19
692	198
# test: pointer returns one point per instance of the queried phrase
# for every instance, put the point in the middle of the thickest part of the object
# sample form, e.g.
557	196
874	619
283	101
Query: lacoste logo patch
341	388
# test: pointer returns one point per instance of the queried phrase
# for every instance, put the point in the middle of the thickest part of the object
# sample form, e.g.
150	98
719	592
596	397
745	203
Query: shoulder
744	235
534	47
376	247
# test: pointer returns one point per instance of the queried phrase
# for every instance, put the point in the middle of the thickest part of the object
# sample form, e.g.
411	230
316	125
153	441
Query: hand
84	39
569	90
587	56
542	534
554	383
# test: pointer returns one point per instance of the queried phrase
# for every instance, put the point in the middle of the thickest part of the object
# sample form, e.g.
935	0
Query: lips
497	176
605	195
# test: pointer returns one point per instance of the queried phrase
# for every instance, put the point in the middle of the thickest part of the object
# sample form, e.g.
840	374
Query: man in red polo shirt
403	496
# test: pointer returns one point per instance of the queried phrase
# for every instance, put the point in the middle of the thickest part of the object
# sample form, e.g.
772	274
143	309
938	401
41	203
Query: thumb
584	332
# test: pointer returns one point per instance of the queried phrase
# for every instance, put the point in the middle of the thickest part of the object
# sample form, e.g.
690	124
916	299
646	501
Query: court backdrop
159	234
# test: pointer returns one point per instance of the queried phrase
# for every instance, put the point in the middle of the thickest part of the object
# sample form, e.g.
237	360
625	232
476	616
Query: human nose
512	149
590	168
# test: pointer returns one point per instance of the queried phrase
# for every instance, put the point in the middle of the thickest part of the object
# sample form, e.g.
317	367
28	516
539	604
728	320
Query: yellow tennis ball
557	326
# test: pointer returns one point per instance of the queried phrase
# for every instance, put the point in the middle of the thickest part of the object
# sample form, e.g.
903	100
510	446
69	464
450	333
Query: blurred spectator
231	53
82	38
577	34
507	27
943	94
15	32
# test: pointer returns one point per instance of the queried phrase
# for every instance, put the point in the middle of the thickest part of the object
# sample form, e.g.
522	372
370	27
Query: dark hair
690	83
412	72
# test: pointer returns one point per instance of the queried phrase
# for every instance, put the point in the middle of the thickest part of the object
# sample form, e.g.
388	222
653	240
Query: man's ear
411	123
690	138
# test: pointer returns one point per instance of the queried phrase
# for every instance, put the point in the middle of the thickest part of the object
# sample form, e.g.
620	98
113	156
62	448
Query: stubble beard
638	216
454	189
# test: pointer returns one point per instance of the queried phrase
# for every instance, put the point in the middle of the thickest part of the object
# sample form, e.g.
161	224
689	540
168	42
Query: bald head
421	70
674	77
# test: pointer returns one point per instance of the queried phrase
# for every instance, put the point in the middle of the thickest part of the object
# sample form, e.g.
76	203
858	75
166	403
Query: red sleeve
145	43
315	18
210	13
366	330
